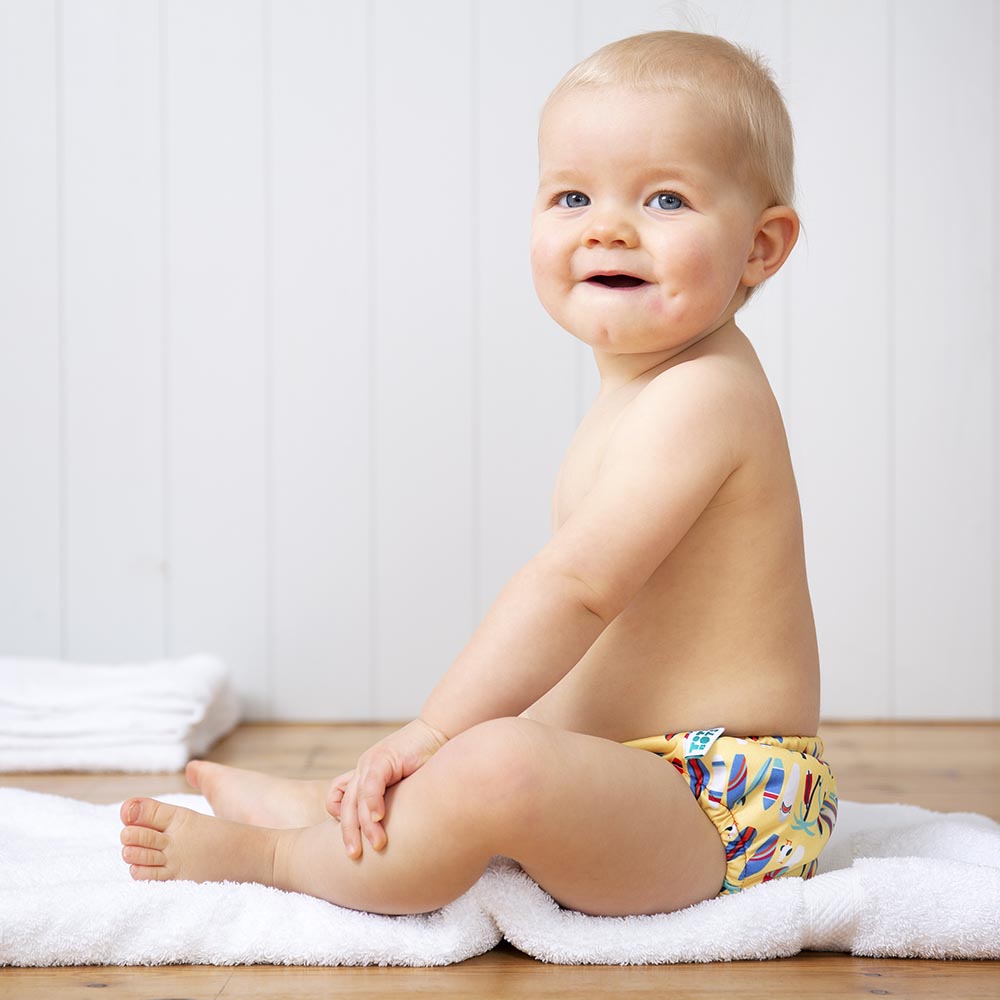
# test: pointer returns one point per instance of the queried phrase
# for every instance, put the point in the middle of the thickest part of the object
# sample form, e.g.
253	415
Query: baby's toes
144	842
143	851
143	836
147	813
143	856
149	873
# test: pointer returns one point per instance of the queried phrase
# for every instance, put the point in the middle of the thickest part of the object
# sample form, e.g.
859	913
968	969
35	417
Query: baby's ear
777	231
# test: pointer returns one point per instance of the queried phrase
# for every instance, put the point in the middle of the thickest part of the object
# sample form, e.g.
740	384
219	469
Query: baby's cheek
547	269
543	256
703	264
695	293
544	275
537	257
711	280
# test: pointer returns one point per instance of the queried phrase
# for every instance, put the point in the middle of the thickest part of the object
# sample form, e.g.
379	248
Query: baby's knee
498	764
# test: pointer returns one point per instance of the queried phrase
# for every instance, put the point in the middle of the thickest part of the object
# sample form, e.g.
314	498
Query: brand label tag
698	743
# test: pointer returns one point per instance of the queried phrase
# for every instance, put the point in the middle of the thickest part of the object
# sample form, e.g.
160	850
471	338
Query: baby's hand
357	798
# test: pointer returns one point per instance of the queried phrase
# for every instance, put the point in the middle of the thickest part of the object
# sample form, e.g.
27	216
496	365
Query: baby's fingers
350	828
371	805
371	813
335	794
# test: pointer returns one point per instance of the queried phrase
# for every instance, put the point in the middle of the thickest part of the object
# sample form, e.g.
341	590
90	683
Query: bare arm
538	628
669	455
671	451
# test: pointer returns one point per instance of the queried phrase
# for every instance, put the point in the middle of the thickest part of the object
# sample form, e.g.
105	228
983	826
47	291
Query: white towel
898	881
59	716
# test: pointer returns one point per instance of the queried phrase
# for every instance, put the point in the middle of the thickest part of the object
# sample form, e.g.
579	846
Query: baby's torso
722	634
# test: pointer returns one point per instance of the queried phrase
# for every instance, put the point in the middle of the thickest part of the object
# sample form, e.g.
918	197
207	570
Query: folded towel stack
59	716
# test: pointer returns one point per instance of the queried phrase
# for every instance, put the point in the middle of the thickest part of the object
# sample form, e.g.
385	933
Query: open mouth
616	280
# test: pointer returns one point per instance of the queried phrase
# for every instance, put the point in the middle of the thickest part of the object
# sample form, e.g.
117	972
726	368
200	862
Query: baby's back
722	633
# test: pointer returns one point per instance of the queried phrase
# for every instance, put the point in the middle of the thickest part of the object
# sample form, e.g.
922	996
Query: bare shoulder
719	398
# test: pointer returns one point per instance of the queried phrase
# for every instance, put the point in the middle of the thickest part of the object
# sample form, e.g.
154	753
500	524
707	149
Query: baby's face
640	233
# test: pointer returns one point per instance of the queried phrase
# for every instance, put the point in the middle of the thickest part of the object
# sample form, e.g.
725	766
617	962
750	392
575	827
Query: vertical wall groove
475	297
269	363
373	645
890	395
167	555
996	360
63	486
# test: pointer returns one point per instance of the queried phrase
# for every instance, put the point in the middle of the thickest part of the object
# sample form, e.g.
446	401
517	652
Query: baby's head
734	88
668	156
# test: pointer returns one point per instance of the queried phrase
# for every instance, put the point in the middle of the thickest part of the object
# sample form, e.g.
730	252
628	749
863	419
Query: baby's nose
610	230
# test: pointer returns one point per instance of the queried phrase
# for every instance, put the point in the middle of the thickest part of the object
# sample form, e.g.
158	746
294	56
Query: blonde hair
735	85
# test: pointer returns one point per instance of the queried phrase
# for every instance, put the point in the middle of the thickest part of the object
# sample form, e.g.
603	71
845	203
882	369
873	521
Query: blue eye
667	201
573	199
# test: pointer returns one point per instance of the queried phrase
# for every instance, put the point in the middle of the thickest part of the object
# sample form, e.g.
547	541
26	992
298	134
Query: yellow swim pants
773	799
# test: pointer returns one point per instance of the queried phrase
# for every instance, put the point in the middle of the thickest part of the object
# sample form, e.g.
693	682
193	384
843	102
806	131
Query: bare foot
259	799
164	842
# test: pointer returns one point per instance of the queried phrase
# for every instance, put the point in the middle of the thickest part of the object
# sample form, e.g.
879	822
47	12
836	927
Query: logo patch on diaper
698	743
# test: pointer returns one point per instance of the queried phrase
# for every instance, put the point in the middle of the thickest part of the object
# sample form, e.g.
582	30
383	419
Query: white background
274	383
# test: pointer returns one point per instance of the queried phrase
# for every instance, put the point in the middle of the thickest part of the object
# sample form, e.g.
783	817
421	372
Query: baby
672	598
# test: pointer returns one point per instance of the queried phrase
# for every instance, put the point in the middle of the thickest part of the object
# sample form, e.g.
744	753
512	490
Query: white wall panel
424	357
320	196
274	382
219	339
30	368
838	414
113	334
527	367
943	358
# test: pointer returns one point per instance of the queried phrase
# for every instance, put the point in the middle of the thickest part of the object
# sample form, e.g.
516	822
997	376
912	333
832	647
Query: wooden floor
874	763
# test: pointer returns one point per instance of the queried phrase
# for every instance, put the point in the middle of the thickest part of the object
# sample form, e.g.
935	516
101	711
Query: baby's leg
421	868
604	828
259	799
